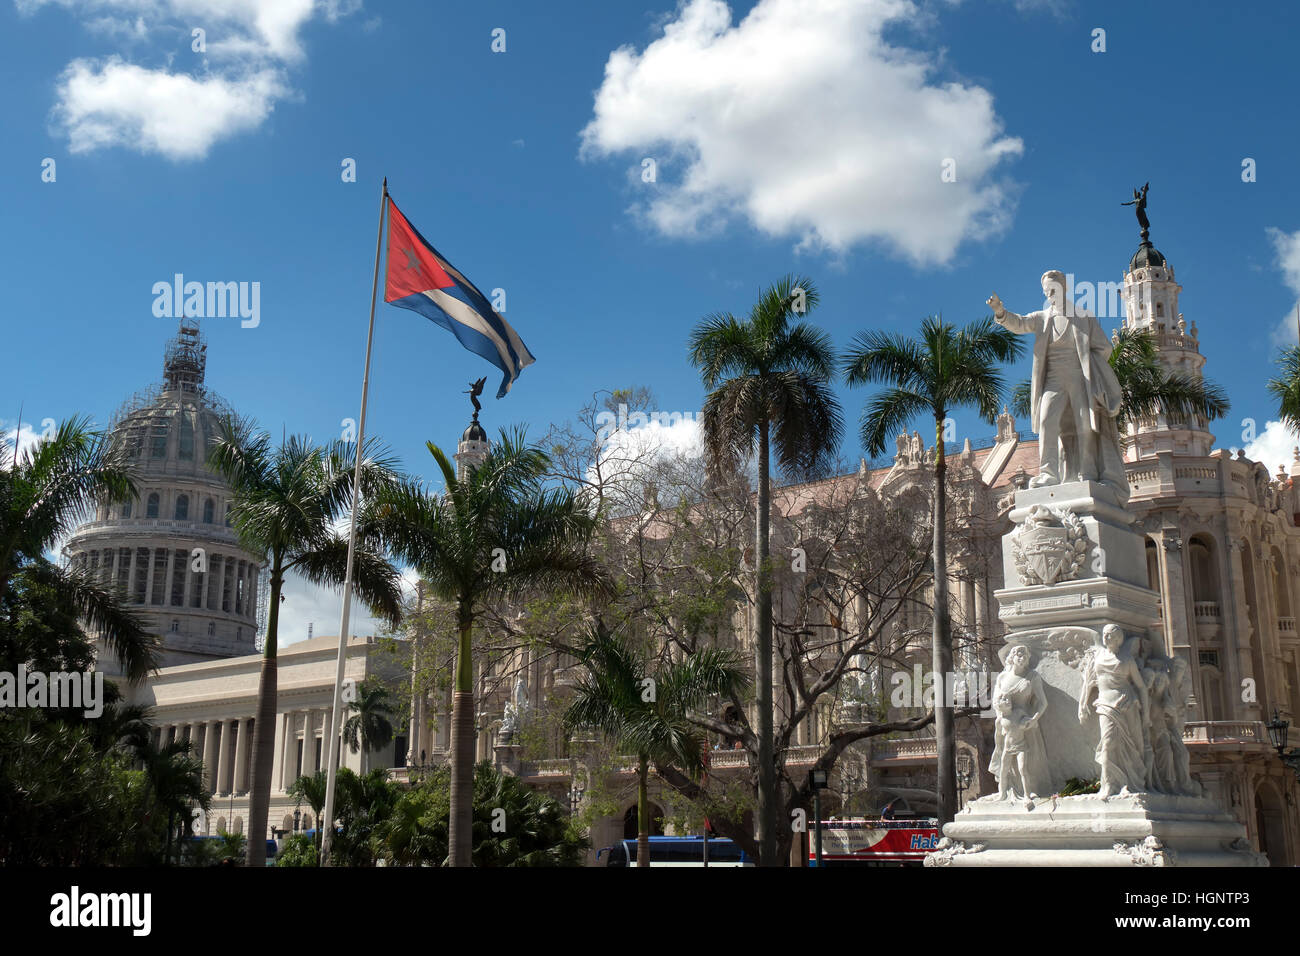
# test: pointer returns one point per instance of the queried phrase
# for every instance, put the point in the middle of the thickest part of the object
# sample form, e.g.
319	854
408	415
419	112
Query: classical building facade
212	705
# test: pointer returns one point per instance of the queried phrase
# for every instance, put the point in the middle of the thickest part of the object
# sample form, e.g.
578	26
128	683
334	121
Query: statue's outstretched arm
1020	324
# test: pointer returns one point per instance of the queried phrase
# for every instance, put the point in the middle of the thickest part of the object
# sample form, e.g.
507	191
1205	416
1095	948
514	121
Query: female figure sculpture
1018	740
1122	707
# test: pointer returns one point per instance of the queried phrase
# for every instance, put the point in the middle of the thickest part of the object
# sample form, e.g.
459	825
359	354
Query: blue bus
676	851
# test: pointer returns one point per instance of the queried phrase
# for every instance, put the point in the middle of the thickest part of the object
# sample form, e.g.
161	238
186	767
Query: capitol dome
171	551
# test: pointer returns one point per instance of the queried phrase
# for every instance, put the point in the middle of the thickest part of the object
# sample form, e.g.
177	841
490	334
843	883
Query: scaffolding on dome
185	360
143	421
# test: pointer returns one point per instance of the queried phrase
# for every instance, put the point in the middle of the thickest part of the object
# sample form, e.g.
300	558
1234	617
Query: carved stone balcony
1206	612
908	750
1248	736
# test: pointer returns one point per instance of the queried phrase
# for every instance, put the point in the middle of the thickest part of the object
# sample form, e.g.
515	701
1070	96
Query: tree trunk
941	658
459	838
766	816
642	812
259	795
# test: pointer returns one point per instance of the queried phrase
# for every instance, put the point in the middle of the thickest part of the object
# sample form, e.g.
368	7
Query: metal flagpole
326	822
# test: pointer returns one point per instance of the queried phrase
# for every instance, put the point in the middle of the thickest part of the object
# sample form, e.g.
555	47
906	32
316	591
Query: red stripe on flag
412	268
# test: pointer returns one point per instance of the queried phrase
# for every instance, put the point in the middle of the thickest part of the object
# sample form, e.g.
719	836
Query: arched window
207	511
183	508
151	509
1153	566
126	509
1205	576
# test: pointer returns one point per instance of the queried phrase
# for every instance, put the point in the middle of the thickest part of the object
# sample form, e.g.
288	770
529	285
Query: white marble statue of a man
1074	394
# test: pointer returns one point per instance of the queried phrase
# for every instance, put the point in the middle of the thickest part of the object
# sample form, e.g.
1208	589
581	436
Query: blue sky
786	136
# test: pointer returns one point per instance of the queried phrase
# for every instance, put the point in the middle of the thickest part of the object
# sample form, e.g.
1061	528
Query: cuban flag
419	278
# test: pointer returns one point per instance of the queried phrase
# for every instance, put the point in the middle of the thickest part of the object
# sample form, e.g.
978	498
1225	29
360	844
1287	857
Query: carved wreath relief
1051	546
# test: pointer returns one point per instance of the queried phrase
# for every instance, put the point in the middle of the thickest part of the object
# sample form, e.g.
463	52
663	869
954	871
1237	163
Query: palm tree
368	725
311	788
647	711
495	532
1286	387
768	377
45	492
287	503
945	369
1149	387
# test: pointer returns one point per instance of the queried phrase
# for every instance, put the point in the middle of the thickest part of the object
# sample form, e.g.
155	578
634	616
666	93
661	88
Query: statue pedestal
1145	829
1104	583
1073	567
508	758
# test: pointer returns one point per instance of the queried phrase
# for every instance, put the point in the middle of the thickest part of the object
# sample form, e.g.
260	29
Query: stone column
210	755
252	592
969	653
309	743
167	581
212	583
413	742
148	580
282	728
242	756
1236	627
186	594
223	758
130	575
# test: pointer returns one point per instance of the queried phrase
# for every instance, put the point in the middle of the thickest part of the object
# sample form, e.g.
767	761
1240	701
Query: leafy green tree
365	802
233	848
646	708
288	501
494	533
513	825
311	789
768	377
945	369
297	850
1149	387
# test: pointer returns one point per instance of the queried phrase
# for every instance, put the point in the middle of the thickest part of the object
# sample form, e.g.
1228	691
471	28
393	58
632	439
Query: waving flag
420	279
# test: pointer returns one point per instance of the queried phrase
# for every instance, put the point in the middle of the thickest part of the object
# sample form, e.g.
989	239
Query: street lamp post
1277	733
965	773
817	781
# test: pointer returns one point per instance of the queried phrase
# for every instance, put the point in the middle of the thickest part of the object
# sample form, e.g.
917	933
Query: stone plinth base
508	758
1146	829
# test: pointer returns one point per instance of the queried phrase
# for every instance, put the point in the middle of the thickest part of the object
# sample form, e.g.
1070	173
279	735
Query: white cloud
23	433
234	83
1286	245
805	122
1274	446
154	111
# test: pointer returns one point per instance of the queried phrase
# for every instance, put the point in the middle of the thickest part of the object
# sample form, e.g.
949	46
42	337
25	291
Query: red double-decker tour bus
875	842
